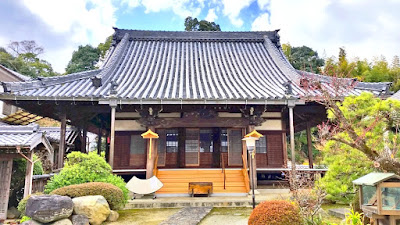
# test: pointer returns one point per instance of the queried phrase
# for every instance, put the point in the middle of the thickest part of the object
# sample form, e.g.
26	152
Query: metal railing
155	168
245	174
223	169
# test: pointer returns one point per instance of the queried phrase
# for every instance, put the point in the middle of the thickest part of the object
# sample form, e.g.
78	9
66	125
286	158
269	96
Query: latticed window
206	140
261	145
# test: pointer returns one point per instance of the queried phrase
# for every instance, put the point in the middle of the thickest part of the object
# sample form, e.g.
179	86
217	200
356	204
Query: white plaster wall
128	125
270	125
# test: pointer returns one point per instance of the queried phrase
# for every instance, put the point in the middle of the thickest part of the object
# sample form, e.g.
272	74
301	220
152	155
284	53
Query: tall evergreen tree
193	24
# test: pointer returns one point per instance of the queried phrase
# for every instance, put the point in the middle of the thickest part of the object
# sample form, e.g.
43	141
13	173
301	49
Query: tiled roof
16	74
53	134
396	95
31	135
170	66
347	86
23	136
148	65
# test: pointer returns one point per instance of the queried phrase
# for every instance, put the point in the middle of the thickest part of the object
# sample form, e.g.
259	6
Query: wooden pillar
309	146
61	149
5	181
107	146
112	138
150	160
99	137
292	147
253	169
84	147
28	175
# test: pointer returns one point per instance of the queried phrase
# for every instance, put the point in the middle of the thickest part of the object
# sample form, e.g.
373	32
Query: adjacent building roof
347	86
396	95
25	137
170	67
21	118
29	136
373	179
10	75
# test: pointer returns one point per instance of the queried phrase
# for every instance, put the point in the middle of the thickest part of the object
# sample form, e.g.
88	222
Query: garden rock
80	220
113	216
31	222
13	213
95	207
62	222
49	208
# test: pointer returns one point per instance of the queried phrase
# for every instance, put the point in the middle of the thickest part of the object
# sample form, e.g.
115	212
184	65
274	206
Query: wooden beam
112	139
292	147
28	175
61	149
150	160
5	181
99	136
309	146
253	169
84	147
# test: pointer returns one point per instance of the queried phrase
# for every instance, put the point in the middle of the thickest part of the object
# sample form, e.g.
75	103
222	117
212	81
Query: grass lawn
143	216
217	216
223	216
330	218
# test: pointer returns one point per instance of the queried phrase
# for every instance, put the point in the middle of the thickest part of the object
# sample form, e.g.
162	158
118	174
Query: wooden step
177	181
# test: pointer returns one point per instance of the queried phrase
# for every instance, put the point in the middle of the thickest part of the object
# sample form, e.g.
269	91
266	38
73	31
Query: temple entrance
199	148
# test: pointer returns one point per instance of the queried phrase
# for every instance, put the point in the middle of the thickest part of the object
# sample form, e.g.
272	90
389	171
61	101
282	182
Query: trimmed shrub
22	204
275	212
24	219
111	193
82	168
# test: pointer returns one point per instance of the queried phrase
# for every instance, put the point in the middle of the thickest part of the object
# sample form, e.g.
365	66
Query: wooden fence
39	181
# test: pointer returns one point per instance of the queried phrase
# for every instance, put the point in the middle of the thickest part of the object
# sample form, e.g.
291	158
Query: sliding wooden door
235	147
192	147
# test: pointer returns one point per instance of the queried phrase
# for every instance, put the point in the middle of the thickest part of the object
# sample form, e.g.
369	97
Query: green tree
303	58
360	137
85	58
193	24
103	47
345	165
82	168
25	59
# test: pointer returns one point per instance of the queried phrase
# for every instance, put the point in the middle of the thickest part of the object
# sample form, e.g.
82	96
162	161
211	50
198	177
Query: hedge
275	212
113	194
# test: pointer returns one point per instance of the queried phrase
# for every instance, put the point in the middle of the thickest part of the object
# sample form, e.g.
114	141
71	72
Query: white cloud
263	4
211	16
365	28
131	3
182	8
261	23
232	9
84	22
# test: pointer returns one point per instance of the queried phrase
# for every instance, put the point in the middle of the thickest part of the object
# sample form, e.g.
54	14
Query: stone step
187	216
237	200
339	212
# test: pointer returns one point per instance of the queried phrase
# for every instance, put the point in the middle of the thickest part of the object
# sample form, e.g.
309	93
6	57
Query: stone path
187	216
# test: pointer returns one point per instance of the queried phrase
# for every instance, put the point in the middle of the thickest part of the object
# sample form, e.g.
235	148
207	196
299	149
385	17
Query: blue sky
365	28
137	18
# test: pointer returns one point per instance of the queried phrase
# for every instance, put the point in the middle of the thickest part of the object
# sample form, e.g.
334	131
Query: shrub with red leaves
275	212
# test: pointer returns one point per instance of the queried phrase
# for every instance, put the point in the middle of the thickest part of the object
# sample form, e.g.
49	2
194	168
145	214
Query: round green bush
82	168
113	195
275	212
